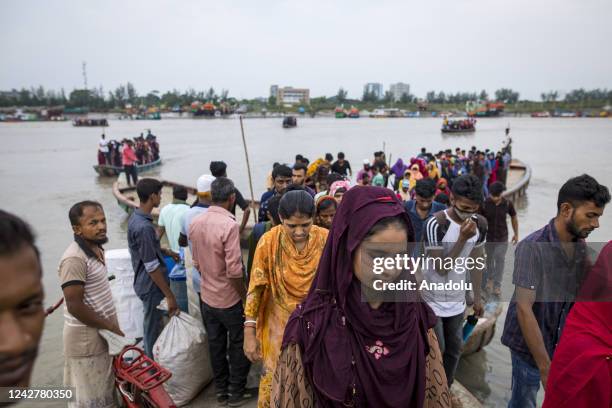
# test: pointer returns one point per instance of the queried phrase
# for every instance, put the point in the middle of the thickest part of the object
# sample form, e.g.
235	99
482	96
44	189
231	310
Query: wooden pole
246	155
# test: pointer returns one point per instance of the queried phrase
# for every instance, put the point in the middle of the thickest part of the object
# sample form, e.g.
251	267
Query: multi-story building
398	90
274	91
374	88
292	96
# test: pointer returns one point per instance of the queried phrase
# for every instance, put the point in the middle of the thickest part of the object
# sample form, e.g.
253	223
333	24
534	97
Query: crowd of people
458	124
298	305
128	153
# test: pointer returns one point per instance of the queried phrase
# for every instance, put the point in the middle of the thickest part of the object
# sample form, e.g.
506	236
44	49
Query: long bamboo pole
248	164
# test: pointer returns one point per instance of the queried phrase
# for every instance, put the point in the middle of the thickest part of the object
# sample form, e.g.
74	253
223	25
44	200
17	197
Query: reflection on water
46	167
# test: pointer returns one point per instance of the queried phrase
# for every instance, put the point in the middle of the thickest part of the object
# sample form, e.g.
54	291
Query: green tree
79	98
272	100
406	98
484	96
507	95
132	95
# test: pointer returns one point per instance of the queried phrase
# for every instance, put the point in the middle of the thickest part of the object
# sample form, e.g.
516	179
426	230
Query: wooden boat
340	113
89	122
106	170
289	122
128	200
353	113
467	130
519	176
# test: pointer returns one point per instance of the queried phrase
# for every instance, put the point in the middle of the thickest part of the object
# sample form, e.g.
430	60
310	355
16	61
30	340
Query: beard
99	241
573	229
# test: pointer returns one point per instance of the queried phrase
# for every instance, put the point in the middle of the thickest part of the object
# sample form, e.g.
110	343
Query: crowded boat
128	155
458	125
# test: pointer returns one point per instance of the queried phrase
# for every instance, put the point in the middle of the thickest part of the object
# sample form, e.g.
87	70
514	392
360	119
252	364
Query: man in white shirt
103	148
457	233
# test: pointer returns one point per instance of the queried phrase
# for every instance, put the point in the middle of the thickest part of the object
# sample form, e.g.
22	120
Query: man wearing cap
199	207
366	170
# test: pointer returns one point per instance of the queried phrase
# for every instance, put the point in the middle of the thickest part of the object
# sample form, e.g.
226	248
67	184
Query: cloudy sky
245	46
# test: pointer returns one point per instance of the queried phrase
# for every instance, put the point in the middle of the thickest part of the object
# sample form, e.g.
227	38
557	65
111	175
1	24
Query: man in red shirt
129	162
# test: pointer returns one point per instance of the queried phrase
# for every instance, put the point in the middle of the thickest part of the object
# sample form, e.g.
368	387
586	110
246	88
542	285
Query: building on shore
398	90
273	91
373	88
292	96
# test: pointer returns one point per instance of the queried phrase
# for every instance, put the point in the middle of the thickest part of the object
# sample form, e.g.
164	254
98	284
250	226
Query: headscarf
337	185
580	375
432	169
415	175
399	168
334	328
444	190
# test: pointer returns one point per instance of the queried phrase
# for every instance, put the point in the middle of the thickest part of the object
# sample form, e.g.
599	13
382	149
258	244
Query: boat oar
246	155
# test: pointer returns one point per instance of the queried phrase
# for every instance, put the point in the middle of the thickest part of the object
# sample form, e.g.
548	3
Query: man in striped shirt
89	308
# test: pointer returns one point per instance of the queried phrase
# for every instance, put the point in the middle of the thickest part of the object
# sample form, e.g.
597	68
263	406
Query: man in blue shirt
281	175
150	279
423	206
549	265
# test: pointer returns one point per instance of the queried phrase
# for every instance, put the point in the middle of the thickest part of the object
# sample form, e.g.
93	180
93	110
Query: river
46	167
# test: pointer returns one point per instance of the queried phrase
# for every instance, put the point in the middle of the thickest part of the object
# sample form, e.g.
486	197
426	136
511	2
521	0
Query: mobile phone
474	218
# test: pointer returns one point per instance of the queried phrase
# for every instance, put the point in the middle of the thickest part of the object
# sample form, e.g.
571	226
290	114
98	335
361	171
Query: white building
398	90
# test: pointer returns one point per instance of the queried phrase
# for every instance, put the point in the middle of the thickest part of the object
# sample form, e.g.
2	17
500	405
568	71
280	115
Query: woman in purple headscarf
339	350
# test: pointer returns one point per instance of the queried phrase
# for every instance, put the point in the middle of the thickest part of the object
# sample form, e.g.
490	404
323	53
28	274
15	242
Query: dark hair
325	203
378	154
442	198
296	202
273	208
15	234
386	222
218	168
340	155
583	188
76	211
468	186
281	170
306	161
332	177
147	187
222	189
275	164
496	188
294	187
425	188
300	166
329	157
423	150
179	192
299	157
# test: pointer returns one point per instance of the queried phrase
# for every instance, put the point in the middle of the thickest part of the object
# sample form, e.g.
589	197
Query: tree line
98	99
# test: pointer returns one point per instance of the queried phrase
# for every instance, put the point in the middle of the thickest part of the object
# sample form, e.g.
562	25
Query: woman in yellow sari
284	267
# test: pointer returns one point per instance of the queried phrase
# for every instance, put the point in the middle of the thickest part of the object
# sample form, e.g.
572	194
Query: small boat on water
289	122
340	113
89	122
353	113
106	170
544	114
459	126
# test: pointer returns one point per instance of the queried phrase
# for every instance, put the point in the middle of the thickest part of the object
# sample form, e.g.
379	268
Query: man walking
89	308
342	166
423	206
151	275
495	209
298	178
216	254
281	178
171	216
459	234
549	265
219	169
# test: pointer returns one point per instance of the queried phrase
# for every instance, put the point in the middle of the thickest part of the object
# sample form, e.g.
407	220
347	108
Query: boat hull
112	171
458	130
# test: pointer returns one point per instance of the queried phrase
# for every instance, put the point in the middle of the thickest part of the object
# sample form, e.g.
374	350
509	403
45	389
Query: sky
531	46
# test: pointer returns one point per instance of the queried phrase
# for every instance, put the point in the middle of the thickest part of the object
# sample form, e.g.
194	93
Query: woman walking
284	266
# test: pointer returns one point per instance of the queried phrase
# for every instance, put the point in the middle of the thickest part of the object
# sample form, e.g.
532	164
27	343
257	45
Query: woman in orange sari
284	267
